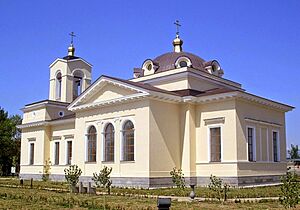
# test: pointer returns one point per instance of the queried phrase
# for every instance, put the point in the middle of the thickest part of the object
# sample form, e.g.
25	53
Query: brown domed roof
167	61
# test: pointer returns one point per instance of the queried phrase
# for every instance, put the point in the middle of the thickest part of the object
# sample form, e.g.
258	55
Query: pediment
106	91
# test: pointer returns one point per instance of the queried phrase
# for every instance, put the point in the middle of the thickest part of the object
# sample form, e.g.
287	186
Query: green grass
23	198
258	192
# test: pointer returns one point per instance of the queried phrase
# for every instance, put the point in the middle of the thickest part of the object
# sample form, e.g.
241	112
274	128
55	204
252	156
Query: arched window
58	86
109	142
91	144
77	84
128	141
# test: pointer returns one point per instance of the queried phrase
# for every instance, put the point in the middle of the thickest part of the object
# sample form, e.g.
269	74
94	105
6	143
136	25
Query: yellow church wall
67	68
34	115
138	113
61	133
184	83
265	121
206	112
176	84
109	92
165	138
37	136
202	85
188	139
261	168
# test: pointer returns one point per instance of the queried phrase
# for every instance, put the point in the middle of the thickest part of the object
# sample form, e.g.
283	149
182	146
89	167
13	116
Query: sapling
103	178
178	178
72	175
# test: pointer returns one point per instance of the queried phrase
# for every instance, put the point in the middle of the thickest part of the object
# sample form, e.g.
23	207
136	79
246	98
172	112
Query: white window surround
66	150
53	153
253	143
145	67
278	145
123	121
104	124
58	85
30	141
183	58
208	141
86	142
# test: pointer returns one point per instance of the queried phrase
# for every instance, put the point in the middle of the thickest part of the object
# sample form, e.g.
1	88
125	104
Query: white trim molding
209	140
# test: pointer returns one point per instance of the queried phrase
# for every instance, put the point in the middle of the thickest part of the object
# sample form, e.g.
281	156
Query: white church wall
37	137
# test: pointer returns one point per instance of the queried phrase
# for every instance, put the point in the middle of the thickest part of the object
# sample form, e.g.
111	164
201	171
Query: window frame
31	155
209	142
67	151
253	143
104	142
58	85
55	155
277	146
122	159
87	160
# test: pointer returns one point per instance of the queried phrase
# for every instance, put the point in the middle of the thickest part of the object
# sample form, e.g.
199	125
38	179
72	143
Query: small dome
167	61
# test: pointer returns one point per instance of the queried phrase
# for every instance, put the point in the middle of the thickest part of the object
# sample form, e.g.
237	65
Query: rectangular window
275	146
31	154
250	144
215	144
69	152
56	153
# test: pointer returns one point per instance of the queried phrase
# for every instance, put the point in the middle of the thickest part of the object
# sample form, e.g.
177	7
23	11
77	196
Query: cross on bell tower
177	27
72	34
177	42
71	49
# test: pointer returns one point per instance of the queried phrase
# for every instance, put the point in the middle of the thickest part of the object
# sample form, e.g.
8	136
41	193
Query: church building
178	110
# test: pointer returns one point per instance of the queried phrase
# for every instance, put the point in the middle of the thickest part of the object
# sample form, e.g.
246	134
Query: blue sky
257	43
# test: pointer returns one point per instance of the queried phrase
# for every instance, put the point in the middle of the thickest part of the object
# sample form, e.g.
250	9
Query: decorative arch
109	142
78	77
91	143
58	85
148	67
128	141
183	62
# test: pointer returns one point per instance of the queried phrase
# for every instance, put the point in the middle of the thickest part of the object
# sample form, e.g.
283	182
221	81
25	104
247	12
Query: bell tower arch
69	77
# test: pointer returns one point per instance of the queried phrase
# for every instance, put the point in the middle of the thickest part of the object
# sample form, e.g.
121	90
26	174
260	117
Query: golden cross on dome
72	34
177	27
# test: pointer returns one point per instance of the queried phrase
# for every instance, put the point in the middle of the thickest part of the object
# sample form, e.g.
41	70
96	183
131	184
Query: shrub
103	178
178	178
46	170
290	189
219	187
72	175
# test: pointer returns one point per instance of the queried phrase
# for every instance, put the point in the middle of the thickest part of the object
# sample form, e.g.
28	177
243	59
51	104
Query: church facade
176	111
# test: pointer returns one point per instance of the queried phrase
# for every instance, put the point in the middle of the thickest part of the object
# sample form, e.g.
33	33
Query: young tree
72	175
290	189
178	178
216	184
293	152
103	178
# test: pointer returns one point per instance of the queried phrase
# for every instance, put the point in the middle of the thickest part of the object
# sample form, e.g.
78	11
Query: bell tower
69	76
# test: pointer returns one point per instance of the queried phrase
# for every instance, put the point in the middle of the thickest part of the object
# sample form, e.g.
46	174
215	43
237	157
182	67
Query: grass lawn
20	198
272	191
